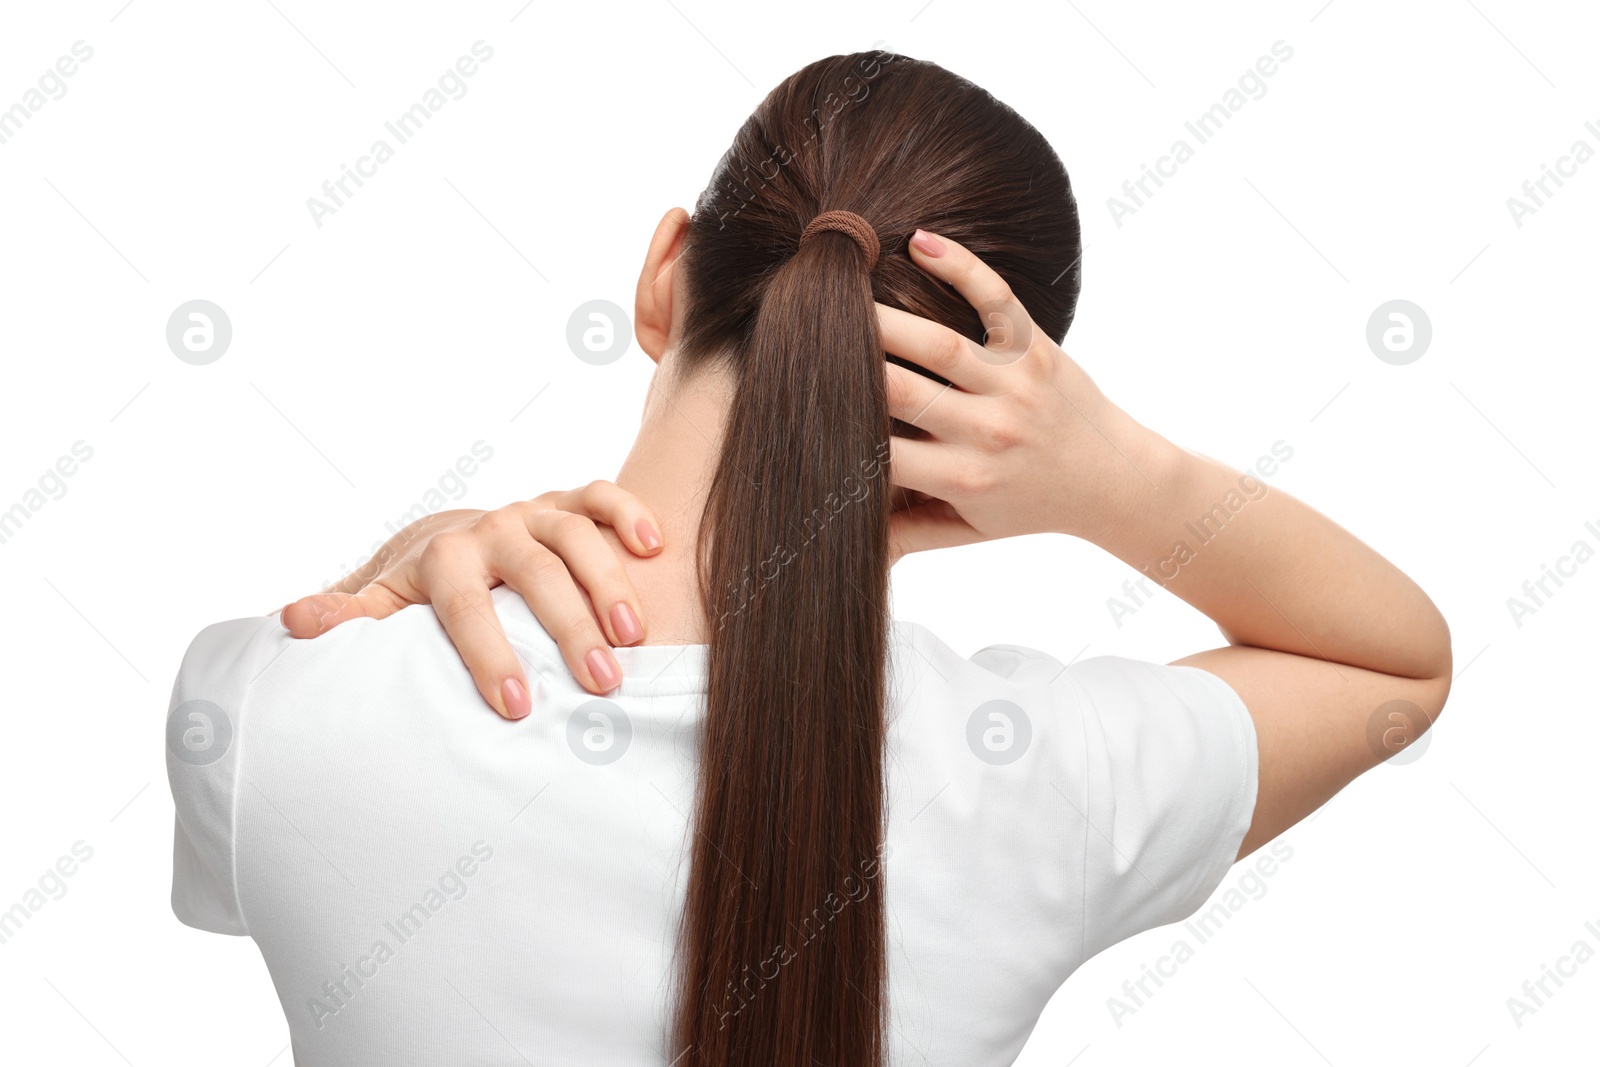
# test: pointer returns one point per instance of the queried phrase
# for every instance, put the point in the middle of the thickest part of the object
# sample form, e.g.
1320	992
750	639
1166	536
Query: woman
796	832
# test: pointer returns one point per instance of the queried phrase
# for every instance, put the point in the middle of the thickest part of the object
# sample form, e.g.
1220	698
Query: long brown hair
782	956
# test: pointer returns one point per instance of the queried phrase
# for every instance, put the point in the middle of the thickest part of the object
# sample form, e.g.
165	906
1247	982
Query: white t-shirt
429	883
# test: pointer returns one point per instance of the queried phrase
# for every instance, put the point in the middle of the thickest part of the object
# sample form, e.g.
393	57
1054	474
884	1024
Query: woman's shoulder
202	735
1102	676
1148	769
217	670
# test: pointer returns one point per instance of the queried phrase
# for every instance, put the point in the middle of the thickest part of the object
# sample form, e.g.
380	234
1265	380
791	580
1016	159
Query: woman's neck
670	469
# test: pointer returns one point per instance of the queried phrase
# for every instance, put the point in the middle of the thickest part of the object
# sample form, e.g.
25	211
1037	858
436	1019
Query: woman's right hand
1023	442
1018	415
548	549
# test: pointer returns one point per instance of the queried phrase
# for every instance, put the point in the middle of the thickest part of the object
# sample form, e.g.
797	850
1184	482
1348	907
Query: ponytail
783	958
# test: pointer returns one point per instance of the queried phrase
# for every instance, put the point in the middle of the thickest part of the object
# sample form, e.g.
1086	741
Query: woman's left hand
548	549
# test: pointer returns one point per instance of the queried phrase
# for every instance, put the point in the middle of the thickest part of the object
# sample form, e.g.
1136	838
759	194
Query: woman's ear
655	309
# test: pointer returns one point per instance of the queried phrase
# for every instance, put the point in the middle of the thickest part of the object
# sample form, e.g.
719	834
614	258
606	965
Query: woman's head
782	958
904	144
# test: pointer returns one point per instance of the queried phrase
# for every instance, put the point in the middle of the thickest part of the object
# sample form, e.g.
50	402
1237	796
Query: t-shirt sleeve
203	768
1165	780
1171	778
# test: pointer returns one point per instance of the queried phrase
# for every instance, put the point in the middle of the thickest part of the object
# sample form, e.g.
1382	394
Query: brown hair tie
847	222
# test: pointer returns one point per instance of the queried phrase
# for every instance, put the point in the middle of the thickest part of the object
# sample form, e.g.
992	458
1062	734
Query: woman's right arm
1323	632
1325	635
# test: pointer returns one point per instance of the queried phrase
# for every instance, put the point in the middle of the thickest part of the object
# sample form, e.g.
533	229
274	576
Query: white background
429	313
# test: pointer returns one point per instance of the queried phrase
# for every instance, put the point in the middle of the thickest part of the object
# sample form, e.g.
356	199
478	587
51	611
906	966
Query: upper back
423	877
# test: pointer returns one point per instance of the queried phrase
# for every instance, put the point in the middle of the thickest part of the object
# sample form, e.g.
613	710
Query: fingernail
604	668
516	697
648	535
927	243
626	623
